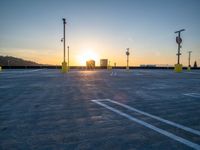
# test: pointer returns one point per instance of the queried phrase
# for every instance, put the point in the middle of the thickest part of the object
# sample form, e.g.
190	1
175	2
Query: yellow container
64	67
178	67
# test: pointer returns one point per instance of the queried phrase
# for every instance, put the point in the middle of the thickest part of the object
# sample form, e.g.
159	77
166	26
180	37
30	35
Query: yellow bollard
0	68
109	68
178	68
64	67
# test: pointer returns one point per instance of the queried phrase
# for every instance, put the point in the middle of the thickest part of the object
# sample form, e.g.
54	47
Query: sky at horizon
33	30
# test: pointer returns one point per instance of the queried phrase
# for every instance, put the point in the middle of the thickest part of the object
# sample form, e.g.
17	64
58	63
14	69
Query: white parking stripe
161	131
157	118
196	95
193	73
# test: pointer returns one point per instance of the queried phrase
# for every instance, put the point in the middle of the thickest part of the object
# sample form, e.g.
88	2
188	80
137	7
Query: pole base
64	67
109	67
127	68
188	69
178	67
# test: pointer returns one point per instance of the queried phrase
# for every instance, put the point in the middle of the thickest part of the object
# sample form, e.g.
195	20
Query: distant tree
195	64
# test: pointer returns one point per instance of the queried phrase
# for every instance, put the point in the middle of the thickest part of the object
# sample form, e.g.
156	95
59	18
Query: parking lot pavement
99	109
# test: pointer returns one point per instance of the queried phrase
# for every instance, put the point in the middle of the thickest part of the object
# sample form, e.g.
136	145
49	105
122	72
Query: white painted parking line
27	71
196	95
161	131
22	71
193	73
157	118
157	87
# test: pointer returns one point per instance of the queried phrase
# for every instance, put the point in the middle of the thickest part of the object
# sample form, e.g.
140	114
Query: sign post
178	66
127	60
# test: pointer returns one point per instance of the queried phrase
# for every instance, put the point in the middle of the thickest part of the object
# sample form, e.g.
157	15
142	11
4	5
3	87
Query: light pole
64	64
189	56
64	23
178	66
68	56
127	60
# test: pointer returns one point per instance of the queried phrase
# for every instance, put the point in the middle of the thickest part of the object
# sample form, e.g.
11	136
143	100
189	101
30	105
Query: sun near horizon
87	54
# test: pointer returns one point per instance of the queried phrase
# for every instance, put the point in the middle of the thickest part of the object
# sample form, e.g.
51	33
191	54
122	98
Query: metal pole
127	53
64	22
189	58
127	61
179	40
179	49
68	55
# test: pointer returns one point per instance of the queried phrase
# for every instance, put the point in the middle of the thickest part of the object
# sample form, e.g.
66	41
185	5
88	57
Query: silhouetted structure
90	64
103	62
195	64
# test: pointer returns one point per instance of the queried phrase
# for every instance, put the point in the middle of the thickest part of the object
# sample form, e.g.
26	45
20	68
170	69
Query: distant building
90	64
103	62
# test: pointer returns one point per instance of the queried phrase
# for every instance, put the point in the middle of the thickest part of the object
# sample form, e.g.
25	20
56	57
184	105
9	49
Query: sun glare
87	55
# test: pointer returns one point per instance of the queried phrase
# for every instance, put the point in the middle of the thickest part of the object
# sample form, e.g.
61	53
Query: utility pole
127	60
178	66
179	41
189	58
64	64
64	22
68	56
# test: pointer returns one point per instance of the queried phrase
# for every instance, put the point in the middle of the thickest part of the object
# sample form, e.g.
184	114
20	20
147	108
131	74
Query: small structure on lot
104	63
90	64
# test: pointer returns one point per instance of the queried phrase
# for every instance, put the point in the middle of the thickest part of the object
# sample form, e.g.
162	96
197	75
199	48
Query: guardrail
85	68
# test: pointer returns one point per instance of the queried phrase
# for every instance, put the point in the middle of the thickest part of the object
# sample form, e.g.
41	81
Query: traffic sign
178	40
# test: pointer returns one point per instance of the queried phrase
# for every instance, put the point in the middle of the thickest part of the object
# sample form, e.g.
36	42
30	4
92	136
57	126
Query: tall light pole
68	56
178	66
127	60
189	56
64	23
64	64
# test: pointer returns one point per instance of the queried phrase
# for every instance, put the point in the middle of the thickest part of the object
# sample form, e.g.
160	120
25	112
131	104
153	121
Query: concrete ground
140	109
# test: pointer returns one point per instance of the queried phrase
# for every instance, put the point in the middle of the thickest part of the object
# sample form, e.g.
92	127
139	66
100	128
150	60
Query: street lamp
68	56
178	66
64	64
189	56
127	54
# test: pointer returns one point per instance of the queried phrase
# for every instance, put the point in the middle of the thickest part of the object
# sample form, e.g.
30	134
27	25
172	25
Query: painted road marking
113	73
157	87
161	131
22	71
192	72
157	118
196	95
